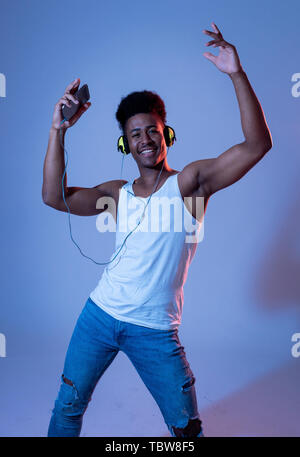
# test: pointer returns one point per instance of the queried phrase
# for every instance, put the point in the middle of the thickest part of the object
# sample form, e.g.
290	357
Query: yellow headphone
169	136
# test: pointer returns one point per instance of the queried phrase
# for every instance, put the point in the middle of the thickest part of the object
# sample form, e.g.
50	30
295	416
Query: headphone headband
169	135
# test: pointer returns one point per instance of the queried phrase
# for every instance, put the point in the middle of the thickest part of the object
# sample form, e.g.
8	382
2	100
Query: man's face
144	132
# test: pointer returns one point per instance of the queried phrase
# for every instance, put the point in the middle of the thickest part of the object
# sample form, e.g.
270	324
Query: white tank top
143	285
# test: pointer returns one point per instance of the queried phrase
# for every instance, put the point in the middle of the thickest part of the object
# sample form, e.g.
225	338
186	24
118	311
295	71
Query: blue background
242	294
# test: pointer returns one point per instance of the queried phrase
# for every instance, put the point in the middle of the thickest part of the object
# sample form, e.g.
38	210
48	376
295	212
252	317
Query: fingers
65	100
216	34
79	113
209	32
71	97
215	43
212	43
210	56
215	27
62	101
68	95
73	85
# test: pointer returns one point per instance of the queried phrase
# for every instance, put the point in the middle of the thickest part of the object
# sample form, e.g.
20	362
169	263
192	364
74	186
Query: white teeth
148	150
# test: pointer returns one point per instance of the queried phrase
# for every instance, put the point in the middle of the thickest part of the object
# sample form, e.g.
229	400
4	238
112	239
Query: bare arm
211	175
81	201
235	162
54	165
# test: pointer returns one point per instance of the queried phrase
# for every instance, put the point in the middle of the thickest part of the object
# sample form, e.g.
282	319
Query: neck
148	176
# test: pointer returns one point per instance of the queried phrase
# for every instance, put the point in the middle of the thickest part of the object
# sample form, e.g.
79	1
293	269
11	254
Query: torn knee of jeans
67	381
70	383
193	428
188	384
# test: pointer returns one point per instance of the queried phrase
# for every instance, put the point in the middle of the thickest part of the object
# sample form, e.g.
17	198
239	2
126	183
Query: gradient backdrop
242	294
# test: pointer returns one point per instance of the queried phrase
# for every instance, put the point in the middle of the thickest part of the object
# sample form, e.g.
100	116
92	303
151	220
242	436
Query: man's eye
137	134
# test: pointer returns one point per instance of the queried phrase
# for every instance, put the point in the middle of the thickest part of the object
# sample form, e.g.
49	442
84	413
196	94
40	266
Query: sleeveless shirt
143	285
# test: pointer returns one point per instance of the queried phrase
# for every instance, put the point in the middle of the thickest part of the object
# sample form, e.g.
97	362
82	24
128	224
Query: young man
137	304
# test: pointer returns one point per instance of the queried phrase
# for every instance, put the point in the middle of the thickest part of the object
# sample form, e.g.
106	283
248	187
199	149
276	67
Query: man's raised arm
224	170
54	163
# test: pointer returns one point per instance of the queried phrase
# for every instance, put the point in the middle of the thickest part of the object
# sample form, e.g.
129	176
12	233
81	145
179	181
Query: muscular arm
54	165
214	174
234	163
81	201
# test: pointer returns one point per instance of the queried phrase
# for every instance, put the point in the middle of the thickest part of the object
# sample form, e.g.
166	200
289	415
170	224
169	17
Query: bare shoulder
190	179
111	188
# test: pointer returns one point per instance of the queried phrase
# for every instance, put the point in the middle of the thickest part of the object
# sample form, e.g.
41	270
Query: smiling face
144	132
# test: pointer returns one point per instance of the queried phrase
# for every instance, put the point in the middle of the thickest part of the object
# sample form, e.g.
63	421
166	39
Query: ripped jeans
157	355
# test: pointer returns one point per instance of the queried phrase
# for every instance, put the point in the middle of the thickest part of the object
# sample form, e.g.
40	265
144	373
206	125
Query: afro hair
140	102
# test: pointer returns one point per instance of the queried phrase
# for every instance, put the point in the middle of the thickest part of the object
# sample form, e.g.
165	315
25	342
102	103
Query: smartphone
82	95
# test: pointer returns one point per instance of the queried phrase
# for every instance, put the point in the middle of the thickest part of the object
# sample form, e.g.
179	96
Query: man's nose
146	139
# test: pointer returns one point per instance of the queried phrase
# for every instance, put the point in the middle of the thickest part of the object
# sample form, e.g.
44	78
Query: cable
69	214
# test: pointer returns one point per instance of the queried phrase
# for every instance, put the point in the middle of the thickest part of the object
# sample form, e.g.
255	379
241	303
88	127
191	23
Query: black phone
82	95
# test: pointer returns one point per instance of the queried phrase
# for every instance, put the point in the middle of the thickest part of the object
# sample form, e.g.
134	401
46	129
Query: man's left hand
228	60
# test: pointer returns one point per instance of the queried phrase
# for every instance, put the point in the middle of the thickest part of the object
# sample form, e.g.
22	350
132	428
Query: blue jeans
157	355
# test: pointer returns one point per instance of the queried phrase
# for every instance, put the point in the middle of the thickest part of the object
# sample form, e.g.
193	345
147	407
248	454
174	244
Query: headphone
169	136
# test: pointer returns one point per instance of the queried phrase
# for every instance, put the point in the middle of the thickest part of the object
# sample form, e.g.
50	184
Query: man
137	304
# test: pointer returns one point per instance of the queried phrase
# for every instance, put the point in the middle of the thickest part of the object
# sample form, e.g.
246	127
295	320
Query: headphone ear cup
169	135
127	150
123	145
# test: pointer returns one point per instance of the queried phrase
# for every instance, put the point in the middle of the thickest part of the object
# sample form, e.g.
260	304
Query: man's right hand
65	100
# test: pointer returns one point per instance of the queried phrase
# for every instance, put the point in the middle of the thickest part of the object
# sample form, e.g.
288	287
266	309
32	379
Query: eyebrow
148	126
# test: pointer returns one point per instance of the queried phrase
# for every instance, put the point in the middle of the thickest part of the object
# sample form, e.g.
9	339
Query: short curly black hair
140	102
